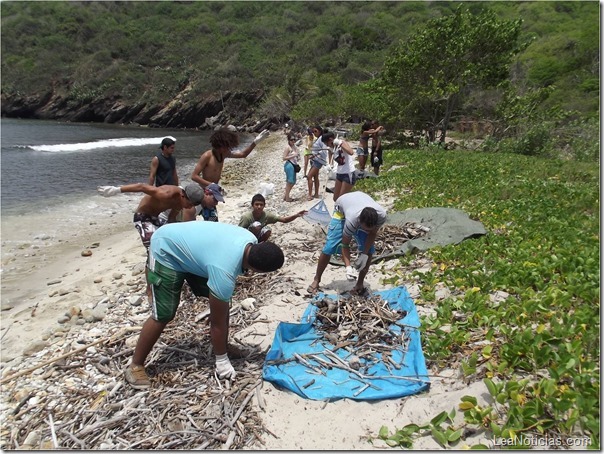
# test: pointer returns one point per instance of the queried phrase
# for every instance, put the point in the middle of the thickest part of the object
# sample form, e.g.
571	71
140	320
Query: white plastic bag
266	189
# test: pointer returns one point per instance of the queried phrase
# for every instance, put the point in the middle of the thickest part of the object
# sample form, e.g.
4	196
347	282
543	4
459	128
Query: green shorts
166	286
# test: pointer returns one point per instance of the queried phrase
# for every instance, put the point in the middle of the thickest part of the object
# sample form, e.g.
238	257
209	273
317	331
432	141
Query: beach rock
135	300
117	275
139	268
6	307
54	281
63	319
98	280
248	304
34	348
86	253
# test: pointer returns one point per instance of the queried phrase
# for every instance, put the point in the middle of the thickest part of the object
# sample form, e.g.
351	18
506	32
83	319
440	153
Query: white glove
361	261
224	369
260	137
351	273
376	160
108	191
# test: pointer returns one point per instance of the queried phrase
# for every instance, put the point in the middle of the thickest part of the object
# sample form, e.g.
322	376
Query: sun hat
167	142
194	193
216	191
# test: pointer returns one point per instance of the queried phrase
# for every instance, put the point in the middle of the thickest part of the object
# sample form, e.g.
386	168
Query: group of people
323	148
210	255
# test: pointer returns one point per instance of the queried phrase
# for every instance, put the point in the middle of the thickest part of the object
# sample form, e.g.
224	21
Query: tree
428	77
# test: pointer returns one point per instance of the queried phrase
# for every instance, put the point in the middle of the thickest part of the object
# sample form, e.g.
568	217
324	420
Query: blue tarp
303	339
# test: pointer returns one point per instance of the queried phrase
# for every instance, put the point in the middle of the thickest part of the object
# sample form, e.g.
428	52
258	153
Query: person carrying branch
355	214
209	256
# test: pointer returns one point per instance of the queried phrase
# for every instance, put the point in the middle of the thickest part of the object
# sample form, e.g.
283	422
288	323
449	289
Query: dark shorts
377	154
166	285
346	178
146	226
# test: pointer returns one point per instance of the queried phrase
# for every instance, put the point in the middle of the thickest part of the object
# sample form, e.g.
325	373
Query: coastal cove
111	279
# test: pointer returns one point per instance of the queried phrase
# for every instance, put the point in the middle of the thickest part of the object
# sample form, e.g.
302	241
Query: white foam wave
107	143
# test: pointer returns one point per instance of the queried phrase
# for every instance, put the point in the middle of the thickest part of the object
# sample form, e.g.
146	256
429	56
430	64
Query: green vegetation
414	65
539	350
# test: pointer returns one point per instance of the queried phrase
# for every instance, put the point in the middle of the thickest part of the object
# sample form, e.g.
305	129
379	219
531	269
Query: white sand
298	423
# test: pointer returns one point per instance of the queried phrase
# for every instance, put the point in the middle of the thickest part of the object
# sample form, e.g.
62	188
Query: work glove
351	273
260	137
224	369
376	160
298	143
361	261
109	191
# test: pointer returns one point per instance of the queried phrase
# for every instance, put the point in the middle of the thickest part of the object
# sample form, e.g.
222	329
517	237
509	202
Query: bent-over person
209	256
147	217
355	214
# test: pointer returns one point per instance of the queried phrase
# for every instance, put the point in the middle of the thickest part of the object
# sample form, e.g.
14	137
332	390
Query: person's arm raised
245	152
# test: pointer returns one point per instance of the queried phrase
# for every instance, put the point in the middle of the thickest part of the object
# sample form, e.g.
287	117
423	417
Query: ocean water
49	172
46	165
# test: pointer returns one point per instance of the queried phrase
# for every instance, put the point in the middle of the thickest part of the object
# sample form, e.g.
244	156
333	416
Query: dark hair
258	198
167	142
366	126
291	137
224	138
368	217
318	128
265	257
326	136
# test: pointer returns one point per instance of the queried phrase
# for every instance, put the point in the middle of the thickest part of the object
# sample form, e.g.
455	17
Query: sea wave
107	143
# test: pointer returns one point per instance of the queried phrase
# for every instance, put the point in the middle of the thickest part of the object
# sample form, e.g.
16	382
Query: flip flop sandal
312	290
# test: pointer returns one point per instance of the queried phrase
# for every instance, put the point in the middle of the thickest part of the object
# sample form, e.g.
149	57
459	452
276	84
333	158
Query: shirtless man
157	200
209	166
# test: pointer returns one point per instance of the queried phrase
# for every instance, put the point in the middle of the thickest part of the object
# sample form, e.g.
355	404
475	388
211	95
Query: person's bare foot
309	198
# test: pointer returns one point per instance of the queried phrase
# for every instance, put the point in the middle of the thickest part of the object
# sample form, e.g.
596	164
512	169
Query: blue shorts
316	164
290	175
334	237
362	151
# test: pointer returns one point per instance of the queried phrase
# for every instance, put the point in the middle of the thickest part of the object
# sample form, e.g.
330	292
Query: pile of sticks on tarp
362	326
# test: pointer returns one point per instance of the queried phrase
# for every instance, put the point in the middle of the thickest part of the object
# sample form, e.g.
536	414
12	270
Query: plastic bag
266	189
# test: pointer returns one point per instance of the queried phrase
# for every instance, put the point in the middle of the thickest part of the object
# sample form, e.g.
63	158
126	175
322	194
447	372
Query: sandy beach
41	284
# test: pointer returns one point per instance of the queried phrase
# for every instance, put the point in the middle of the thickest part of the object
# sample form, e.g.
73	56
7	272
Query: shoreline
112	279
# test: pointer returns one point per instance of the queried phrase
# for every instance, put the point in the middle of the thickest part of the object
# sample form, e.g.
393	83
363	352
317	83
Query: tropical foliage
435	62
538	350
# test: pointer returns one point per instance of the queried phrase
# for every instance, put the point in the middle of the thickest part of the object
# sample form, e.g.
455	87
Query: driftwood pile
390	237
79	400
362	326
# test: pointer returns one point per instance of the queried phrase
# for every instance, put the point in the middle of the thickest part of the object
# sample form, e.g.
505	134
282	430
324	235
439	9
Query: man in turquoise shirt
209	256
